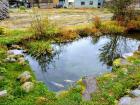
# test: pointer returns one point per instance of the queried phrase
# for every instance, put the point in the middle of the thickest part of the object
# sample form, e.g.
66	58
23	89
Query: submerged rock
69	81
135	93
27	86
3	93
57	84
91	86
24	77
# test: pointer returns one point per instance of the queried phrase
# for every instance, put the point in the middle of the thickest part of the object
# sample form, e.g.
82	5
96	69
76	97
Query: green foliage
22	8
2	31
39	48
112	28
15	36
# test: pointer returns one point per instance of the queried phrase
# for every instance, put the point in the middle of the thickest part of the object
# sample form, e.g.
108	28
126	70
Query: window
82	3
70	3
91	3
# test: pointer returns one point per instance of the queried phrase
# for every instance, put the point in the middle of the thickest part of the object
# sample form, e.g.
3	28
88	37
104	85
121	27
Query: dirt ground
62	17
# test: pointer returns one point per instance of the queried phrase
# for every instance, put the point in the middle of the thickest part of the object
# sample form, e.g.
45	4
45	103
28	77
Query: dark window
99	4
91	3
82	3
70	3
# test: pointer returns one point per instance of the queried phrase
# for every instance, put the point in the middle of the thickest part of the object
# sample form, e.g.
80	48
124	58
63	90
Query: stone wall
4	7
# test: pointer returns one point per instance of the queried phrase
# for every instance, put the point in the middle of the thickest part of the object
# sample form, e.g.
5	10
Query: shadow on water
86	56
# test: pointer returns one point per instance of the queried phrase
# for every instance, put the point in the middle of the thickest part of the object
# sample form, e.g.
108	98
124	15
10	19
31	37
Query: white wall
87	5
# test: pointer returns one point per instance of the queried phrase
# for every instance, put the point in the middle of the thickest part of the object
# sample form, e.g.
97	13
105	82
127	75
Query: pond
86	56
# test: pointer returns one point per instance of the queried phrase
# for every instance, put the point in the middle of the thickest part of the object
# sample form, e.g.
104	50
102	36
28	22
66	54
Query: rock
69	81
91	86
125	100
3	93
11	58
15	52
135	93
21	60
27	86
135	101
16	47
139	87
24	77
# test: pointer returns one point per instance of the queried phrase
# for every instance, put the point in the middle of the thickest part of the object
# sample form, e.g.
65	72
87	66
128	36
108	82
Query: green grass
39	48
15	36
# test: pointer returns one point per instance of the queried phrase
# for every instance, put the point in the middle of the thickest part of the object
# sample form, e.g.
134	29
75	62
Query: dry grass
62	17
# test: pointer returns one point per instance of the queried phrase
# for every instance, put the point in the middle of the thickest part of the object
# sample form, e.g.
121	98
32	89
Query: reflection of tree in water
112	49
45	60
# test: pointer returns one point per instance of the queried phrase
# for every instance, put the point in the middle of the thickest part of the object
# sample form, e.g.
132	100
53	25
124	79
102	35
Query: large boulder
27	86
135	92
24	77
91	86
125	100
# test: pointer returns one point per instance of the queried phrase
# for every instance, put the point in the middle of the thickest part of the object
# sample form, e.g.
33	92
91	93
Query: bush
97	22
112	28
43	28
39	48
133	25
66	34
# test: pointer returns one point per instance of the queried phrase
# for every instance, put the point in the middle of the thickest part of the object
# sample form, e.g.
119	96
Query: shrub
43	27
39	48
67	34
133	25
112	28
97	22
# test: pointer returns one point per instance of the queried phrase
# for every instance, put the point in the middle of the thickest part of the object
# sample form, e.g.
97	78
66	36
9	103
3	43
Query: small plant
22	8
1	30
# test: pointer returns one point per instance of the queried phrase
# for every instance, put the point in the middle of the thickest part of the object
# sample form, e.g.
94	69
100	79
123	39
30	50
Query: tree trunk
4	7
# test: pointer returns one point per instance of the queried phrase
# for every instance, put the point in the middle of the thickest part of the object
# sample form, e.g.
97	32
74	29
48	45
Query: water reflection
115	48
86	56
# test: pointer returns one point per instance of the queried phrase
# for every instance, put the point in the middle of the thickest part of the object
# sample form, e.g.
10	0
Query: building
83	3
58	3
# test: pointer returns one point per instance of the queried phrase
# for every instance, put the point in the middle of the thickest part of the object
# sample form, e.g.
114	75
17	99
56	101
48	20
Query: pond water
86	56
